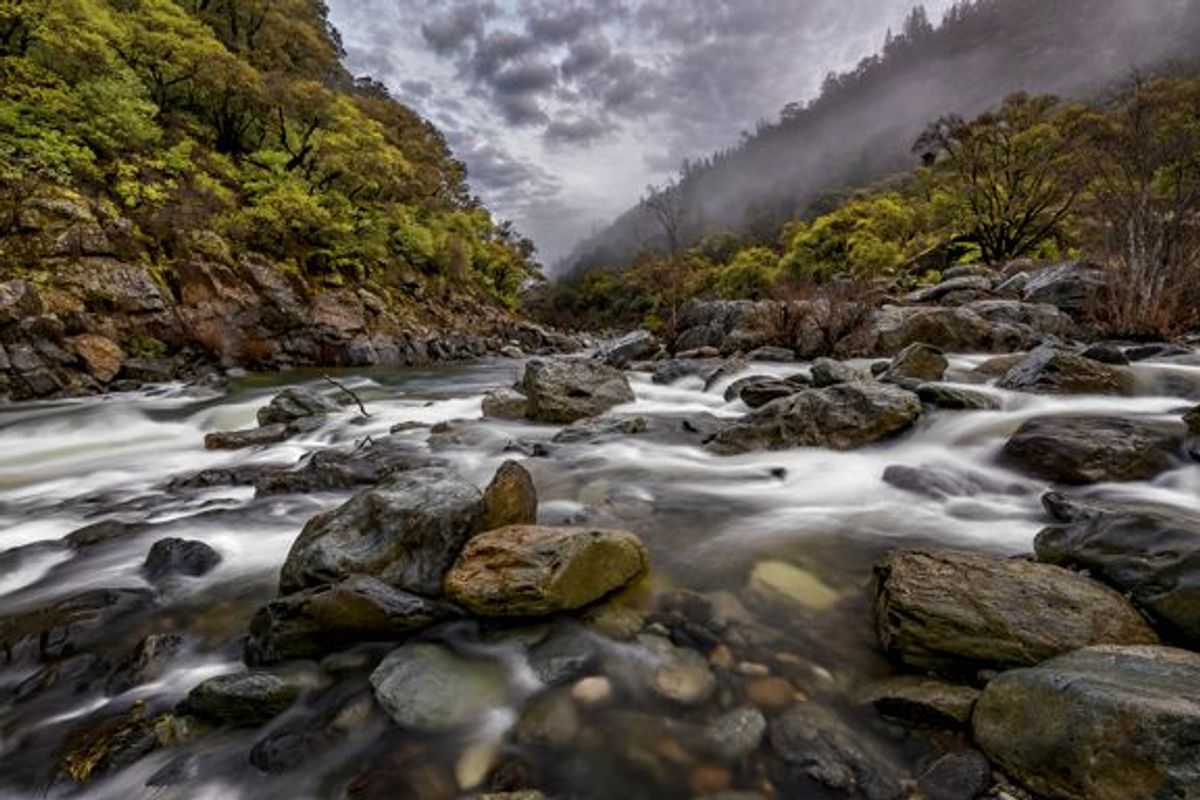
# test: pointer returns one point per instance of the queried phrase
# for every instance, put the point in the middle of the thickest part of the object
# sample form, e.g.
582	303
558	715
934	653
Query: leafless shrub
819	318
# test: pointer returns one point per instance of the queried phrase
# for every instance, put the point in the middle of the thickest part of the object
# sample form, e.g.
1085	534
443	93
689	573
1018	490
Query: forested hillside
864	122
165	147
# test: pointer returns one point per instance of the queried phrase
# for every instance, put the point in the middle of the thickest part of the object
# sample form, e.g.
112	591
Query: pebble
752	669
592	692
475	764
771	694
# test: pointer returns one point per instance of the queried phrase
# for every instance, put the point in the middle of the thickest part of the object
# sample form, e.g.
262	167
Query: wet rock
842	417
726	369
772	694
566	390
815	751
1022	323
1070	287
677	674
510	499
1148	351
1092	449
758	393
109	745
956	613
777	354
1106	354
953	329
505	404
1105	723
180	557
534	571
566	656
918	362
406	532
100	355
1048	370
284	751
314	622
242	699
1151	553
549	721
146	663
294	404
827	372
600	429
939	483
250	437
329	470
429	687
960	775
922	701
951	398
679	368
592	692
629	348
102	532
736	734
1192	420
779	582
79	623
976	284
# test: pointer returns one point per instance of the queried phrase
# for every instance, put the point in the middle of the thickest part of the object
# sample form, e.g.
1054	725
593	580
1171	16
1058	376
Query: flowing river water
707	521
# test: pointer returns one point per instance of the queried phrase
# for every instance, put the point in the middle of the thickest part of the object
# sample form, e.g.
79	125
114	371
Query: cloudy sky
564	110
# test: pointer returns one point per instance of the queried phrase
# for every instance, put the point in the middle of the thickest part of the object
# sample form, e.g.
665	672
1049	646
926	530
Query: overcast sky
564	111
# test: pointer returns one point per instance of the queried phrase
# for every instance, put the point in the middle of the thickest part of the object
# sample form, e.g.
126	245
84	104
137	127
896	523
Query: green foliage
751	274
870	236
236	116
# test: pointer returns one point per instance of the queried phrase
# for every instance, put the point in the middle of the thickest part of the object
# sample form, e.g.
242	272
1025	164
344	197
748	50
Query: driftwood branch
353	396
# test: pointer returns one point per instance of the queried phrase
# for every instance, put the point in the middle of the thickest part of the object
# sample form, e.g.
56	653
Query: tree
1016	172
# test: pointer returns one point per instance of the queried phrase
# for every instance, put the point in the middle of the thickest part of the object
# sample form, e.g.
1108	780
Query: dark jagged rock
251	437
566	390
180	557
1106	354
972	284
79	623
1070	286
959	775
815	752
314	622
146	663
242	699
1088	449
406	532
293	404
760	392
1104	723
956	613
841	417
629	348
1150	552
1049	370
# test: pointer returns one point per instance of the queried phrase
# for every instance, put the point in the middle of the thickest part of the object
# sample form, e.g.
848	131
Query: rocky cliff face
84	307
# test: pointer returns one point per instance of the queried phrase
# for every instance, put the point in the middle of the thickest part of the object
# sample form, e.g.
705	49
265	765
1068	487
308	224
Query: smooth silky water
707	521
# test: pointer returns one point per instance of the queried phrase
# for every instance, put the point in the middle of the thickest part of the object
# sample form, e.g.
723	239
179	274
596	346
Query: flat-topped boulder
917	362
1103	723
1092	449
841	417
526	570
566	390
956	613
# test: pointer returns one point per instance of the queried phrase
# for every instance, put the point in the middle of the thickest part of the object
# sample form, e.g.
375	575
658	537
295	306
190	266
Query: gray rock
1105	723
429	687
1023	322
827	372
1106	354
564	391
295	403
1149	552
952	398
919	362
1087	449
960	775
601	429
79	623
676	674
841	417
180	557
778	354
760	392
956	613
251	437
406	532
505	404
242	699
1049	370
146	663
980	284
954	330
629	348
736	734
816	752
19	300
1192	420
939	483
678	368
570	653
1070	286
314	622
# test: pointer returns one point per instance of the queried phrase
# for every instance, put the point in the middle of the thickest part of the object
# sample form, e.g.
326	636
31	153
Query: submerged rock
1049	370
251	437
1151	553
1104	723
243	699
79	623
314	622
956	613
566	390
815	752
180	557
429	687
535	571
677	674
783	583
953	398
406	532
601	428
842	417
1092	449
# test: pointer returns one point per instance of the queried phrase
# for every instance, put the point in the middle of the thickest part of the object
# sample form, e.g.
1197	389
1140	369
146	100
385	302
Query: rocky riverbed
932	575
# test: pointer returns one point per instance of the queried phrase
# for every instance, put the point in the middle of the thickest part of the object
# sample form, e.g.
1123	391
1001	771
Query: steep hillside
864	122
202	181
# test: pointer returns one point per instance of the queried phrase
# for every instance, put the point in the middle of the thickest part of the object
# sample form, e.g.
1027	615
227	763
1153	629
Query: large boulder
1049	370
1070	287
1104	723
1149	552
1026	322
956	613
1092	449
962	285
841	417
430	687
314	622
629	348
952	329
526	571
565	390
917	362
406	532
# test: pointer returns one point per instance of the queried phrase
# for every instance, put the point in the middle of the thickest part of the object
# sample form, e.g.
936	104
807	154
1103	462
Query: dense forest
860	127
215	126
